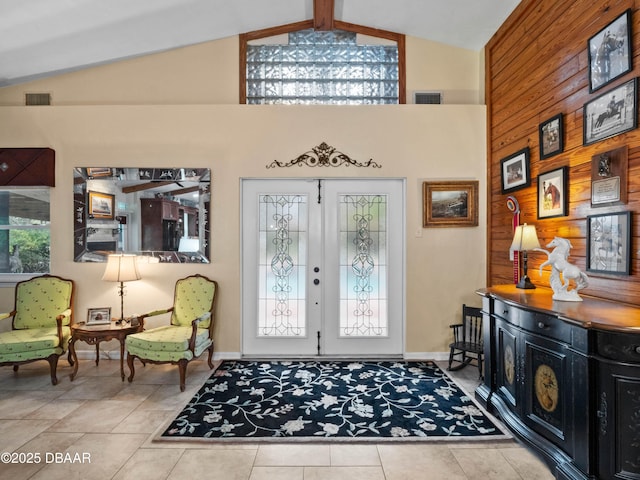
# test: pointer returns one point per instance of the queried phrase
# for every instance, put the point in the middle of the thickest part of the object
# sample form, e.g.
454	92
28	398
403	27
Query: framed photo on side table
450	203
99	316
609	243
553	194
514	171
610	52
611	114
551	135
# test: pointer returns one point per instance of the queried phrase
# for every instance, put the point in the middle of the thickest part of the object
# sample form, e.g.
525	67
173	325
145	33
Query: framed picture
553	193
609	177
609	243
515	171
101	205
99	316
611	114
610	52
551	137
99	172
450	204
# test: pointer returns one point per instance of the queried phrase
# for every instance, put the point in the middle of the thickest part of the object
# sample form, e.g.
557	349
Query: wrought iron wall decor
324	156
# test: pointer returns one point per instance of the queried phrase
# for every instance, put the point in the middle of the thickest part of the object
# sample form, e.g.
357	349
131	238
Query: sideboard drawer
506	311
618	346
535	322
546	325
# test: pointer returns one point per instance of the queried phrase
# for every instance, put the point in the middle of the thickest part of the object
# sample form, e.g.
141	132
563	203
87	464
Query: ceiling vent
427	98
38	99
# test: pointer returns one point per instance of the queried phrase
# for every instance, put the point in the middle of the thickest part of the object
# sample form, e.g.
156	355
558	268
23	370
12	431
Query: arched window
296	64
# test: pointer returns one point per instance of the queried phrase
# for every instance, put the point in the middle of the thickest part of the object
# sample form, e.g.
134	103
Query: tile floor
98	427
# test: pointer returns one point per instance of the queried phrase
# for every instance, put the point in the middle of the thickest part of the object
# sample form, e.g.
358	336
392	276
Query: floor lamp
525	238
121	268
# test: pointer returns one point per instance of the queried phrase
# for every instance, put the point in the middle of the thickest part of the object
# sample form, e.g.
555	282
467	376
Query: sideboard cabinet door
508	377
618	406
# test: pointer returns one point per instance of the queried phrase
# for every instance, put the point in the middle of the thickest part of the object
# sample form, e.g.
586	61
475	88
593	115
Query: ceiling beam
182	191
323	14
144	186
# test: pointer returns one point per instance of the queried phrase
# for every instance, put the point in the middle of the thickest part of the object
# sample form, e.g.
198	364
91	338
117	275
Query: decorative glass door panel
322	268
363	269
283	269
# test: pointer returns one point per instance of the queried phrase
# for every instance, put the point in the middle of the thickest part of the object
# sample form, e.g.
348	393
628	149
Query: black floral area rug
330	400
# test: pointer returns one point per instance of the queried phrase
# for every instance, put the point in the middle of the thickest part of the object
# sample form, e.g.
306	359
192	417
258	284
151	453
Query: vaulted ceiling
46	37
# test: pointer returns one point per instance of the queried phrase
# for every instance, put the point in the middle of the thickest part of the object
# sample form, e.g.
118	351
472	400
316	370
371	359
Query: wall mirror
161	214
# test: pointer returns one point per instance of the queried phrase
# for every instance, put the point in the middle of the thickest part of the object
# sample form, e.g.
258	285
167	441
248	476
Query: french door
322	267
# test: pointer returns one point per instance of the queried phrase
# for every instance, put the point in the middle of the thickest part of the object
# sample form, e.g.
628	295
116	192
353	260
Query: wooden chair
40	329
189	333
467	343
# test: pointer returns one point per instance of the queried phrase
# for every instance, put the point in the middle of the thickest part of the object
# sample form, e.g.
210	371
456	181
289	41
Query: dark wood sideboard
564	377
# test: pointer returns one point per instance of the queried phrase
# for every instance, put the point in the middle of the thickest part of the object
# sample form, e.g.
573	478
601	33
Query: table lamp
121	268
525	238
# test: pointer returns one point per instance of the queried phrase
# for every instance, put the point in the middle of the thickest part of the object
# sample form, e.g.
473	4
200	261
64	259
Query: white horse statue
562	272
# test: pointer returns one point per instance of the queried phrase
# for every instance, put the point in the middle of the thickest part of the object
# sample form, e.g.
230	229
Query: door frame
402	240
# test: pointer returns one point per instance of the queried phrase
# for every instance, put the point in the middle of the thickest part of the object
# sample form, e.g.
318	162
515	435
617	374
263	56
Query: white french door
322	267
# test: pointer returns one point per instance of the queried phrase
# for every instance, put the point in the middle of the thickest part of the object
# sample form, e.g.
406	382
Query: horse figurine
562	272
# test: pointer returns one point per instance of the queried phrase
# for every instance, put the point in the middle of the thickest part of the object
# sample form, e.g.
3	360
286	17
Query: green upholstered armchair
41	329
189	334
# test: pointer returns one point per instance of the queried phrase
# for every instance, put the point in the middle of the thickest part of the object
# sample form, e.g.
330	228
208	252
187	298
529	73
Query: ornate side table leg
97	352
121	338
74	357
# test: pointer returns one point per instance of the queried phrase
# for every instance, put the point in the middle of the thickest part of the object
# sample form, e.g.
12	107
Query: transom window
354	66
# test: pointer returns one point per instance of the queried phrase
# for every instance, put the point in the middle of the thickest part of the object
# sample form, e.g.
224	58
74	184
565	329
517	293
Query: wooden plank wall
537	67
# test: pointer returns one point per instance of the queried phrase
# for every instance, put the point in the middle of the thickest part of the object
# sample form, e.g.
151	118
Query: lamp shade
525	238
121	268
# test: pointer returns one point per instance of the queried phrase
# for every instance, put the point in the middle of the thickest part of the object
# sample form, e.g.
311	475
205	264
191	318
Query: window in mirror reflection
160	214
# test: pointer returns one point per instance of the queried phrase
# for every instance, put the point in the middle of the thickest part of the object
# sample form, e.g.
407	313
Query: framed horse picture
610	52
553	193
514	171
551	137
609	243
612	113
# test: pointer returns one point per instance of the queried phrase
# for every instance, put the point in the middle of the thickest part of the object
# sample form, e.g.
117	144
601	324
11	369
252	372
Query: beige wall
444	266
208	74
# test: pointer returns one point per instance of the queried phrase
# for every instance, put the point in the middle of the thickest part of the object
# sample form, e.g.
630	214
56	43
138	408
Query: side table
94	334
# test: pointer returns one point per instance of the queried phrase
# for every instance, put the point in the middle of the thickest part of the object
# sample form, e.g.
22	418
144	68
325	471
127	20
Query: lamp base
525	283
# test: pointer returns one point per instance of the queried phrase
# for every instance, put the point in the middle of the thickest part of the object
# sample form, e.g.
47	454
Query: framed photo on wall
450	204
610	52
101	205
553	193
612	113
514	171
609	243
551	137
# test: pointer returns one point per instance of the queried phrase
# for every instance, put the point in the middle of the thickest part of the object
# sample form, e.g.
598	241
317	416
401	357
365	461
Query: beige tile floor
105	427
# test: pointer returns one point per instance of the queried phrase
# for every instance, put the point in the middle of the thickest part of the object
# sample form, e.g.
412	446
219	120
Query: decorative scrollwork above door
324	156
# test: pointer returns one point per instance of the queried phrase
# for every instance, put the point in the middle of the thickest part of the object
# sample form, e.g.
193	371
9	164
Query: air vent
38	99
427	98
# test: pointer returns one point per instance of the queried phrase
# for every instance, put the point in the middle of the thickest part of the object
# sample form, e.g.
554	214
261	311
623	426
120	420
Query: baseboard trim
115	355
426	356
